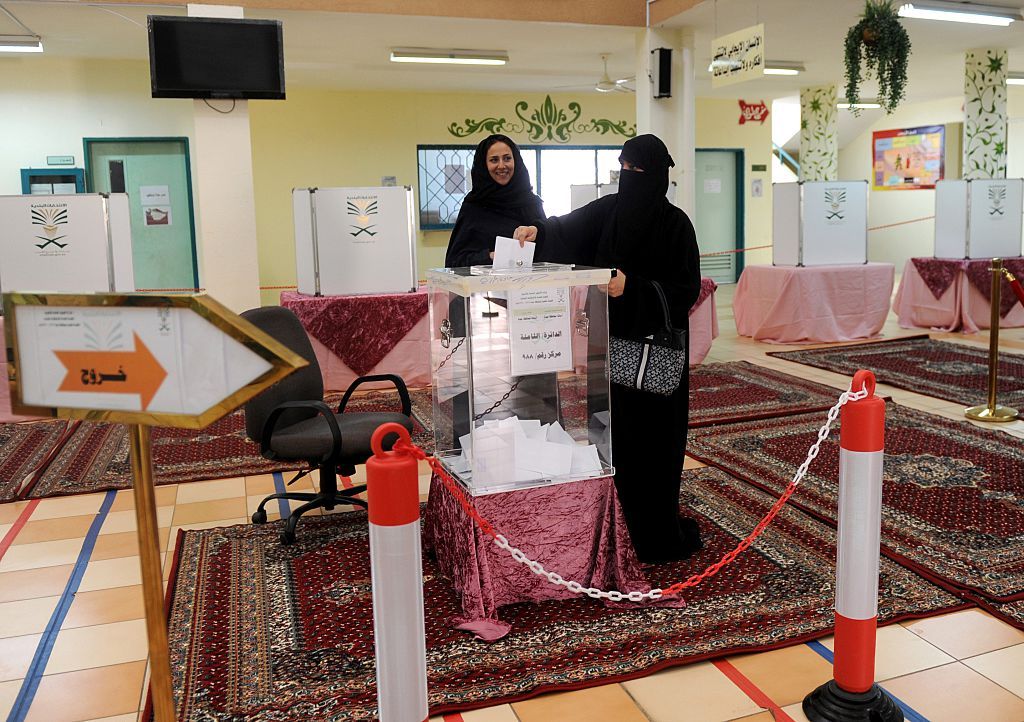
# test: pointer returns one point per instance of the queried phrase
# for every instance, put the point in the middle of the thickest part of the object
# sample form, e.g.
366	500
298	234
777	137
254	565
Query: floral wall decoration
819	148
546	123
985	113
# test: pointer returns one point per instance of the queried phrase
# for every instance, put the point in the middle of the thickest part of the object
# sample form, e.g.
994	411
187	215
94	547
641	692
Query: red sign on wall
753	112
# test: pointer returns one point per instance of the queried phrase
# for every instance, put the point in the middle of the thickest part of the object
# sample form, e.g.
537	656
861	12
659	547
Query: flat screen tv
197	57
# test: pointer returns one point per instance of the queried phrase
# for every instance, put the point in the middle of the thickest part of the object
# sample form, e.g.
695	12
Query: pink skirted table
576	529
950	294
791	304
703	322
355	336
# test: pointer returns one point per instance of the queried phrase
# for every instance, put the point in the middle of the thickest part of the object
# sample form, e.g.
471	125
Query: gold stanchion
992	411
152	573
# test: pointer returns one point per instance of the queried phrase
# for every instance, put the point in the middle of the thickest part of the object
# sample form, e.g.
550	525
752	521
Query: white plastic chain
617	596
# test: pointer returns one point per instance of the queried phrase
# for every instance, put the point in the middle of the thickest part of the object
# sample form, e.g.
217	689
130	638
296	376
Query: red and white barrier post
397	576
852	693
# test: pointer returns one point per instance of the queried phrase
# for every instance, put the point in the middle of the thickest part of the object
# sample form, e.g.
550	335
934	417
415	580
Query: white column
672	119
226	209
819	135
985	117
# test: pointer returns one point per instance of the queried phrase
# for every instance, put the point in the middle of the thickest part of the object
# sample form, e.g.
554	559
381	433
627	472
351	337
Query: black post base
831	703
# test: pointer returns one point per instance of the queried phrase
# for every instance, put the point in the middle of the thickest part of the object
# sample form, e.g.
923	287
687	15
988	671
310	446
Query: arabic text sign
737	56
163	363
539	329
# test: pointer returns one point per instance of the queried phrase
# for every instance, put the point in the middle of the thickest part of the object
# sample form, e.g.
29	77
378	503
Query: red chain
485	526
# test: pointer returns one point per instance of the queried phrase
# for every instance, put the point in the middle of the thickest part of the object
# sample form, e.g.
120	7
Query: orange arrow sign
113	372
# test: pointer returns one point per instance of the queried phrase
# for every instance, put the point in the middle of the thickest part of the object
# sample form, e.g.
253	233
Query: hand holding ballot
525	234
510	253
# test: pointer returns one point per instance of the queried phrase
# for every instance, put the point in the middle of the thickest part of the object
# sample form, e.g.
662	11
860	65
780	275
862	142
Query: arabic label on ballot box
540	336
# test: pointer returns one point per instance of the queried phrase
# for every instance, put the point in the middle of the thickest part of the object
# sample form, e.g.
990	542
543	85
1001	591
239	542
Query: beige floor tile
503	713
8	693
53	529
705	693
165	496
123	544
16	655
609	703
129	717
4	528
62	506
105	606
967	633
110	573
32	583
805	671
9	513
118	522
210	490
1005	667
207	525
29	616
898	651
759	717
186	514
93	693
955	693
689	463
41	554
98	646
796	712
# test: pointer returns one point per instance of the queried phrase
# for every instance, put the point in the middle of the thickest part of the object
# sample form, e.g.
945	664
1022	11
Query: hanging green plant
878	44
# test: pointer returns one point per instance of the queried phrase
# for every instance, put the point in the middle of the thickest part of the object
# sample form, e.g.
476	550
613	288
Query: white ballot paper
508	253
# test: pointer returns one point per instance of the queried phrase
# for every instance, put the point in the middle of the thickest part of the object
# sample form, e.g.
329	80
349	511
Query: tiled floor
962	667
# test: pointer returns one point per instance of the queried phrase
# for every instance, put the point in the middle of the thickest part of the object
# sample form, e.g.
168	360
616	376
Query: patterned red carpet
949	371
255	630
95	457
953	495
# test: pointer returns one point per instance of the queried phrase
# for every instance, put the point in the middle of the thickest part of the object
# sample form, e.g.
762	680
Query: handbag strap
664	304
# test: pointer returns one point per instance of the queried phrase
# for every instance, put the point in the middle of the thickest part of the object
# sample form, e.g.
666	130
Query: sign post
182	361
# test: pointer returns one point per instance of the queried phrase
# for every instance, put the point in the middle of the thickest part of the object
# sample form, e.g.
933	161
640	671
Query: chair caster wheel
287	537
259	516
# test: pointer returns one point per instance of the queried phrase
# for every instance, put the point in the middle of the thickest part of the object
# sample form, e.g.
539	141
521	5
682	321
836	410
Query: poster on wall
908	158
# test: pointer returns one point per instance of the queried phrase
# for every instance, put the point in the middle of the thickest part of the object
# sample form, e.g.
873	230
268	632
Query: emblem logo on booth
996	194
835	199
753	112
362	209
50	217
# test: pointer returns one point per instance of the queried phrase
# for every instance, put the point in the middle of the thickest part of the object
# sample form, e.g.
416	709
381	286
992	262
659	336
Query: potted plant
879	44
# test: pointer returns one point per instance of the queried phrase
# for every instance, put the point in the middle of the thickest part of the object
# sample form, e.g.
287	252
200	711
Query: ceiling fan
606	85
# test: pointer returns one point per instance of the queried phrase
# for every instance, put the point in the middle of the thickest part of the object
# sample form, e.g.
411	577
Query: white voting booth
78	243
354	240
819	223
978	218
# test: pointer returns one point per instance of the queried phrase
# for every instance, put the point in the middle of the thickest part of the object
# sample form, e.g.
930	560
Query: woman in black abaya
645	238
501	199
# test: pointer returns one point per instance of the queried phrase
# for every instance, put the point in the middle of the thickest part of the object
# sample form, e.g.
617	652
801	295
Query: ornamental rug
722	393
95	456
951	371
952	495
254	630
24	451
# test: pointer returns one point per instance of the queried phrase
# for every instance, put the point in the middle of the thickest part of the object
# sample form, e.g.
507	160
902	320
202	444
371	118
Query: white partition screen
978	218
78	243
820	223
355	240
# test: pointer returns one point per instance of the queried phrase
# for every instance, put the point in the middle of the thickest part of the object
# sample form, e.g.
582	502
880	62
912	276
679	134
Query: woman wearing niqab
641	234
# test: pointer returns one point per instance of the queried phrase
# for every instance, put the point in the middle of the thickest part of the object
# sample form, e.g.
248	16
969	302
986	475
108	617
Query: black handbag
655	364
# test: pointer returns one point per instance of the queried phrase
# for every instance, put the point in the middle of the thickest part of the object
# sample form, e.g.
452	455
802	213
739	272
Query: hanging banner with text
737	57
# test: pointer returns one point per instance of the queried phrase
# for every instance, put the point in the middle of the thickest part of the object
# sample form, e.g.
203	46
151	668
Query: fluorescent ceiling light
21	44
773	67
960	12
451	57
860	106
1015	79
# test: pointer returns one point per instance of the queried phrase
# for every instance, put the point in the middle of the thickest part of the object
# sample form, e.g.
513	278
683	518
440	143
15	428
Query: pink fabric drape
789	304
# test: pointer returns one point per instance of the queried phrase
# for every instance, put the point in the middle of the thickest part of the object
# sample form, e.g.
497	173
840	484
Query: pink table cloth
943	294
791	304
576	529
355	336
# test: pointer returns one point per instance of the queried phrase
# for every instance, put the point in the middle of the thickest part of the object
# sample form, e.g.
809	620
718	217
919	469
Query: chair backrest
303	385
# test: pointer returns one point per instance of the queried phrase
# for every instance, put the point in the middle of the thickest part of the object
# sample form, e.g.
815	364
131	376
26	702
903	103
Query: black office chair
291	421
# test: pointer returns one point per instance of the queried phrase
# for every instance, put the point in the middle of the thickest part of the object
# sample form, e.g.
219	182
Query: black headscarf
641	201
517	193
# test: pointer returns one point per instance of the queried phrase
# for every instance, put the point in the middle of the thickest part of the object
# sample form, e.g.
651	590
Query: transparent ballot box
520	383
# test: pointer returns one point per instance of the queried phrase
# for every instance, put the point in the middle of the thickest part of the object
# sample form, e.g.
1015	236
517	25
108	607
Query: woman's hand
617	284
525	234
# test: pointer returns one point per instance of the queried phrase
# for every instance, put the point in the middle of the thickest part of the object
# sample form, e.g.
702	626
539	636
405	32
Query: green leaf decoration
548	122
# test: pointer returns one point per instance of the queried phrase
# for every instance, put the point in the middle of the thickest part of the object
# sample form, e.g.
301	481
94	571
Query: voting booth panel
77	243
354	240
525	407
819	223
978	218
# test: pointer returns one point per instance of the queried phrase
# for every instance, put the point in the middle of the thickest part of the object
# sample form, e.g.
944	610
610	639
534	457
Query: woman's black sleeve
572	238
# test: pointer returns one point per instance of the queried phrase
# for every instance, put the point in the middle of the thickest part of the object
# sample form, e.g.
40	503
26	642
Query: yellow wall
718	127
330	138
